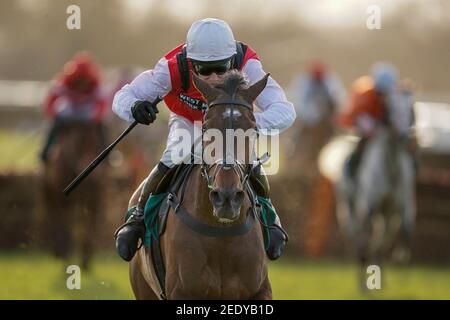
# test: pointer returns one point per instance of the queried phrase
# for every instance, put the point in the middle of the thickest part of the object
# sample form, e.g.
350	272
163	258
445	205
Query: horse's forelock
234	80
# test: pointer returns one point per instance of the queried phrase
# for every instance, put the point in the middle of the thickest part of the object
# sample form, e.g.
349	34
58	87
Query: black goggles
208	68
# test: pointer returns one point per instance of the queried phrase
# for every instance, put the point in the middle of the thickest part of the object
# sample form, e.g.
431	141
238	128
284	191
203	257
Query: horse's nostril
215	197
226	197
238	197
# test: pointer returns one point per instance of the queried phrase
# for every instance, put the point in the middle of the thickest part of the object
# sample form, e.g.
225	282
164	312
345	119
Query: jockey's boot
128	234
278	236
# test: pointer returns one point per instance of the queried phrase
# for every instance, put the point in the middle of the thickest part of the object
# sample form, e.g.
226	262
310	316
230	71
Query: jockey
377	100
318	92
75	96
210	51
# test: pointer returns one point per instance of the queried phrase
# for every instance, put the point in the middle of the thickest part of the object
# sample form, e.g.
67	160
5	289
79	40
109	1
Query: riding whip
100	157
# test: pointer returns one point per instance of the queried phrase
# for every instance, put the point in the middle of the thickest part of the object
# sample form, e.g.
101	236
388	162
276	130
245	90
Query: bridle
242	170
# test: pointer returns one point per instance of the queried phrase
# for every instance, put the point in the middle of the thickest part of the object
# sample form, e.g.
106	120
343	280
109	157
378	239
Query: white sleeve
146	86
277	112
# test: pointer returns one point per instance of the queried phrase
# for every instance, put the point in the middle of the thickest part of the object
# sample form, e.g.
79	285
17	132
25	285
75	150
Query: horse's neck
378	143
79	144
379	153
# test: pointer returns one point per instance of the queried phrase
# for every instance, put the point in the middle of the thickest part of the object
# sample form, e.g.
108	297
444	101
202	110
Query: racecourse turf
40	276
19	150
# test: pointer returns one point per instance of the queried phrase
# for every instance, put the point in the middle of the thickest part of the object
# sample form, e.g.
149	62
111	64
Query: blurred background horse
72	222
318	95
381	201
376	194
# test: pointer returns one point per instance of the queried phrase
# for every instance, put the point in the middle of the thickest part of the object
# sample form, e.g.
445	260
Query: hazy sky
316	13
329	13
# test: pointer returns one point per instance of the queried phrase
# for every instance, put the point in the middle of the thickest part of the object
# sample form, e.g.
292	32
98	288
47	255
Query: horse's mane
233	80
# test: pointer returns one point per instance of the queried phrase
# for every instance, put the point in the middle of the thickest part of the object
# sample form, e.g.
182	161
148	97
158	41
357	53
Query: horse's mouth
225	218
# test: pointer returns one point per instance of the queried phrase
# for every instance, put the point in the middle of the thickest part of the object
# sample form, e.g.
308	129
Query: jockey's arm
147	86
277	112
49	103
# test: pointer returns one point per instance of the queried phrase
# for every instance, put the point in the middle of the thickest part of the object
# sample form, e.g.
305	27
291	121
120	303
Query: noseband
234	102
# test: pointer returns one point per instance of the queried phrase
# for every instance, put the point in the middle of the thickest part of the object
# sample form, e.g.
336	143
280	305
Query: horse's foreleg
141	288
363	233
58	231
91	216
407	205
403	248
265	292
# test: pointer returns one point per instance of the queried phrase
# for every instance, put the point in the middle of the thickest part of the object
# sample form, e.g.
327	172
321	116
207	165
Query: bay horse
377	208
71	223
213	264
314	128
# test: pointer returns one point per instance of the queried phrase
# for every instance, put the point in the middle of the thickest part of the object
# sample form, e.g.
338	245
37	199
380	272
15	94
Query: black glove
144	112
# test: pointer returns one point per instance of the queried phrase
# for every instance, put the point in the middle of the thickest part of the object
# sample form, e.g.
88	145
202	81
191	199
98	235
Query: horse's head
229	135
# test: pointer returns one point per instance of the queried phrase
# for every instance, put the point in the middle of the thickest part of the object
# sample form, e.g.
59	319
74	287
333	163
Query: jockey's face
213	79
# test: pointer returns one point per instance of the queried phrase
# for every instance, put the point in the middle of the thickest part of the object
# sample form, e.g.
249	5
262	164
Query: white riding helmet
385	76
210	40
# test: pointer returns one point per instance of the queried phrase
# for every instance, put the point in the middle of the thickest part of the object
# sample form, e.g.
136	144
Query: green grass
19	150
39	276
332	280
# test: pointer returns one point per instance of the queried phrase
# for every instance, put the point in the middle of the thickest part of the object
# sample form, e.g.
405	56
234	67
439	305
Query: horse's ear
253	91
208	92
